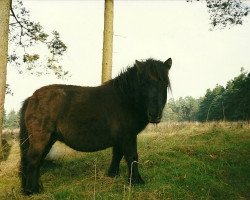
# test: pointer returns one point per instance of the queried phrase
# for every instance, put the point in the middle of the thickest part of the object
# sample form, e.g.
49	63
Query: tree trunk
107	41
208	111
4	29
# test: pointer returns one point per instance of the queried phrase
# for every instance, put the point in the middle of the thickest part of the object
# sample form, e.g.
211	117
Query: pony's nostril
151	115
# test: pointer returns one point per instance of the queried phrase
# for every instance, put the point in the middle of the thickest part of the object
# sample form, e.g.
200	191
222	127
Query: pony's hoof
28	192
137	181
112	174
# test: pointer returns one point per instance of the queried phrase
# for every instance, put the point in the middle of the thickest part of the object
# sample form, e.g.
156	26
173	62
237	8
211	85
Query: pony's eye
165	84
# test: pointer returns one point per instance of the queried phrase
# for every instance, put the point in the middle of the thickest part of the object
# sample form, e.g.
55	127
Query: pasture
177	161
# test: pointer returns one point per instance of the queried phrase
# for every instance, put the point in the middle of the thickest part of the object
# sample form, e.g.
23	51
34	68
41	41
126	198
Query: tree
4	118
230	103
12	120
23	35
225	13
217	106
205	106
4	24
107	41
183	109
237	97
210	107
170	112
189	108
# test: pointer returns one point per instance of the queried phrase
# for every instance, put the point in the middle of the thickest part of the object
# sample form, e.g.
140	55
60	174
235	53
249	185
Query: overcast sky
142	29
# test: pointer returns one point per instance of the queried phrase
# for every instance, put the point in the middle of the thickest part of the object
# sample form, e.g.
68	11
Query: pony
90	119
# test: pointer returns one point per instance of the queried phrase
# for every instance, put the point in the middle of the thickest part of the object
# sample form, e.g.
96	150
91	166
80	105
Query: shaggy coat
93	118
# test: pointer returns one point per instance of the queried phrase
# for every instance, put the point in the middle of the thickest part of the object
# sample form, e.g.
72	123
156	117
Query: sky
142	29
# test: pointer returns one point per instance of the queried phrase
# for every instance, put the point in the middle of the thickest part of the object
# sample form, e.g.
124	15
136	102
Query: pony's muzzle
154	118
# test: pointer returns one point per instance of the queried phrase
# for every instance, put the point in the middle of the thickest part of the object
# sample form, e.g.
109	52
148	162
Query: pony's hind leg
24	144
48	147
34	157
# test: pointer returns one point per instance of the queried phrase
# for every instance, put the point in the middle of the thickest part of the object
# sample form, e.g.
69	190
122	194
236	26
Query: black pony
93	118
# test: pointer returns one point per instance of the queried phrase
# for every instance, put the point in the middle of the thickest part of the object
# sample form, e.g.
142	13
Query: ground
177	161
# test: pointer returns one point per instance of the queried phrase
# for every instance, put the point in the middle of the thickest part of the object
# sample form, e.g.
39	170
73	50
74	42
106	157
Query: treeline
231	103
11	120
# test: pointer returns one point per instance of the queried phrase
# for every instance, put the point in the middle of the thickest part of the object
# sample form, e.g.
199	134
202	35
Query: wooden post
107	41
4	29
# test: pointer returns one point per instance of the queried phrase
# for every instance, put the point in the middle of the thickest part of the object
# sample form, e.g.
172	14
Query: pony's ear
138	65
168	63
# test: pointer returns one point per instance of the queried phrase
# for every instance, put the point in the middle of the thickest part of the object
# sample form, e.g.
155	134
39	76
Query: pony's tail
24	143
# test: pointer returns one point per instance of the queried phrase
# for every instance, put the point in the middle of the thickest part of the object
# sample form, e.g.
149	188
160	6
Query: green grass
177	161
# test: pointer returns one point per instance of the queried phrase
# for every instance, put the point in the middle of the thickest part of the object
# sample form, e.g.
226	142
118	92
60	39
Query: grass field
177	161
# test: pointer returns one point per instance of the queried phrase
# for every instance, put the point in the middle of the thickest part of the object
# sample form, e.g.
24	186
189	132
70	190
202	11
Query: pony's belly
88	147
87	135
86	143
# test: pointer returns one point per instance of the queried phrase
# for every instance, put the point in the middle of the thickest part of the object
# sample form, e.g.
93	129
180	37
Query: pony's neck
127	86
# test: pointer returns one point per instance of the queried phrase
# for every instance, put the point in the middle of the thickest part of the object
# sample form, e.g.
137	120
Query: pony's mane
126	78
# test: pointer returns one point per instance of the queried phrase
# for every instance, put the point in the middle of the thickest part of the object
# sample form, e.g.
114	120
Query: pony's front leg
116	158
131	156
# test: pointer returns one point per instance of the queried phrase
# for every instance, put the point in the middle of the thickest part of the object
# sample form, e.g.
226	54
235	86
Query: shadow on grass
75	167
49	165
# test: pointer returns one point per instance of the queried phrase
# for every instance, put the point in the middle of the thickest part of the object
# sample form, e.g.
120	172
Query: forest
229	103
